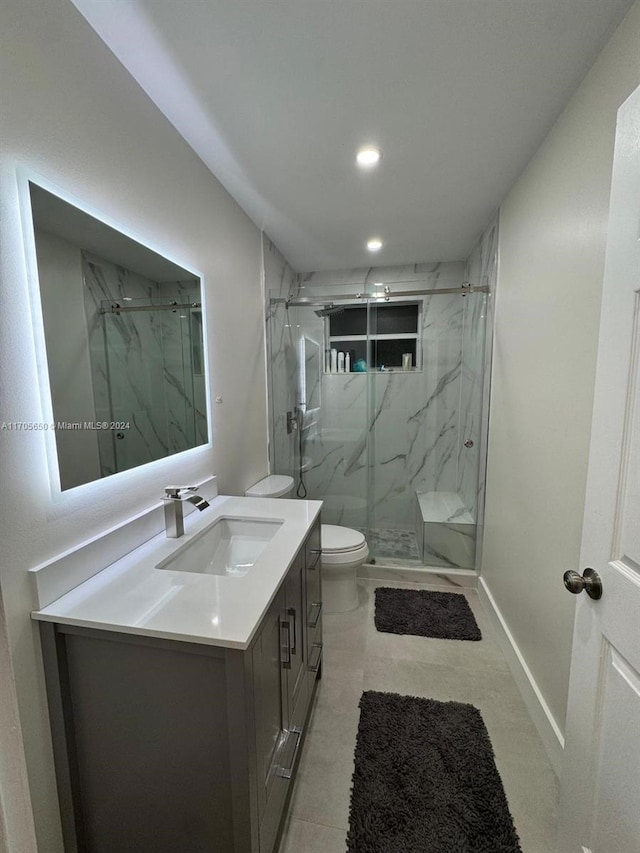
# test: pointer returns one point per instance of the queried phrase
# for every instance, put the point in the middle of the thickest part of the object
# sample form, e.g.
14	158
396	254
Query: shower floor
386	543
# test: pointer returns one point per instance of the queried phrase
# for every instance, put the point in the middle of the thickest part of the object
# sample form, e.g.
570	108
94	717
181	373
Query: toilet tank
273	486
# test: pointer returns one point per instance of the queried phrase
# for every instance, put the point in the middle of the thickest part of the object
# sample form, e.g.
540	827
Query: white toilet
343	550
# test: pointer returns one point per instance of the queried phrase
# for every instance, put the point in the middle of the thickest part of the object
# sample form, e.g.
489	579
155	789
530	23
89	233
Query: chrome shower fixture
329	310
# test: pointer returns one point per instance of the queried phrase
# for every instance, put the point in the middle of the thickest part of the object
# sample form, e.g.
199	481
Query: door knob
589	581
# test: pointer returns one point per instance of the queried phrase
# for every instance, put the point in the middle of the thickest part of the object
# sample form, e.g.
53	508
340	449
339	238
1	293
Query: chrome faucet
174	497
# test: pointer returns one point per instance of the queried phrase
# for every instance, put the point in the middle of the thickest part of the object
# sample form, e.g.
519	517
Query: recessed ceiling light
368	156
374	245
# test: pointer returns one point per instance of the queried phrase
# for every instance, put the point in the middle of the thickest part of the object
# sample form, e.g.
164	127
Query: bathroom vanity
179	690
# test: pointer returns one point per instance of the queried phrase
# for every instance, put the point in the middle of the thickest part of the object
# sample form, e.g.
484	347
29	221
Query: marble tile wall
141	365
377	439
414	418
411	420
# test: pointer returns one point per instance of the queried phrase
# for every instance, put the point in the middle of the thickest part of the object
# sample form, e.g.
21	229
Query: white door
600	785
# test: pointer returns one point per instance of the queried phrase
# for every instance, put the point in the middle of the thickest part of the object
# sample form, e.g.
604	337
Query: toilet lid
272	486
336	540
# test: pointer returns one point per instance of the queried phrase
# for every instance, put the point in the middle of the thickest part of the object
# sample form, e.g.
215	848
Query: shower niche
382	337
395	448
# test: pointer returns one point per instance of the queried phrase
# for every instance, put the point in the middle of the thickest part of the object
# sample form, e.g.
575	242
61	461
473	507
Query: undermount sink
229	547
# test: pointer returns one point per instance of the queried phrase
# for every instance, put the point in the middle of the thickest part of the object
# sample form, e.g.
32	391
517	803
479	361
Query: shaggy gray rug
425	780
445	615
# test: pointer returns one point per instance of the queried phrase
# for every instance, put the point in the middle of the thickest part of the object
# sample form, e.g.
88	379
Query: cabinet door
313	621
280	696
297	642
271	708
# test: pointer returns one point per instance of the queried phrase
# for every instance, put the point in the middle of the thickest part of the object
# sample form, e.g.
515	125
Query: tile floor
386	543
357	657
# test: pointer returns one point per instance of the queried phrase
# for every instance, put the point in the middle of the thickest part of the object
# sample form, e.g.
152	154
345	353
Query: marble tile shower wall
411	419
141	366
415	423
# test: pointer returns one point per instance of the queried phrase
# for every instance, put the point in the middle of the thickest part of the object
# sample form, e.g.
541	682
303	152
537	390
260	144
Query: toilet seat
273	486
342	546
337	539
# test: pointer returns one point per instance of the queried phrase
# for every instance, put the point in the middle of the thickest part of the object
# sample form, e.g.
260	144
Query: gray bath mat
445	615
425	780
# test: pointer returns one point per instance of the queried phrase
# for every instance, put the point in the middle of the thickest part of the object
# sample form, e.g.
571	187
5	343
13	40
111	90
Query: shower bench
445	530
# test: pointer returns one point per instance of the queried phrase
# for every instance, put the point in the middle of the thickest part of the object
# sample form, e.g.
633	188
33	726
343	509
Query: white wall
62	294
71	113
552	243
17	833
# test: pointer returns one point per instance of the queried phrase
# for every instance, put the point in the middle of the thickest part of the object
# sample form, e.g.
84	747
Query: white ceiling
275	96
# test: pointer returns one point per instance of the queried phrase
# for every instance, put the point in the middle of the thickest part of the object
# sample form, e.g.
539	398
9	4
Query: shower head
328	310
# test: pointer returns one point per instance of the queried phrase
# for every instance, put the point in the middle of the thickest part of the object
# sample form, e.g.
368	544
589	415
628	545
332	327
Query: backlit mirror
124	340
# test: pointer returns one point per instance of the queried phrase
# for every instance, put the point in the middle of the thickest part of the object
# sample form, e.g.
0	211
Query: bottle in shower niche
340	362
347	363
334	360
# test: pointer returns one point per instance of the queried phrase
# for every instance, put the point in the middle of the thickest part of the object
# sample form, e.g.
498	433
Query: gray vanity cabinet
313	622
165	746
272	732
295	643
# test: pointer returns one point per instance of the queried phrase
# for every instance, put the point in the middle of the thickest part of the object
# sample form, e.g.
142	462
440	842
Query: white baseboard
543	719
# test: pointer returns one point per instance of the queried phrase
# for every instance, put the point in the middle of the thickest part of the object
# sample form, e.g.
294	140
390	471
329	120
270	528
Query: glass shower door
395	398
377	410
474	405
318	415
425	429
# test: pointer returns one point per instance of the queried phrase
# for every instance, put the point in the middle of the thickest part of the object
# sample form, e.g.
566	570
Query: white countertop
133	596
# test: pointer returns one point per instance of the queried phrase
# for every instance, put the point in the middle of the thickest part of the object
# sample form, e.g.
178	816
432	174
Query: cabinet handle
313	619
318	553
314	667
284	772
292	612
285	648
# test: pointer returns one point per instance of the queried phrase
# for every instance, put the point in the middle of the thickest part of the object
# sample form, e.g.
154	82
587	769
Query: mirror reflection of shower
147	369
124	341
